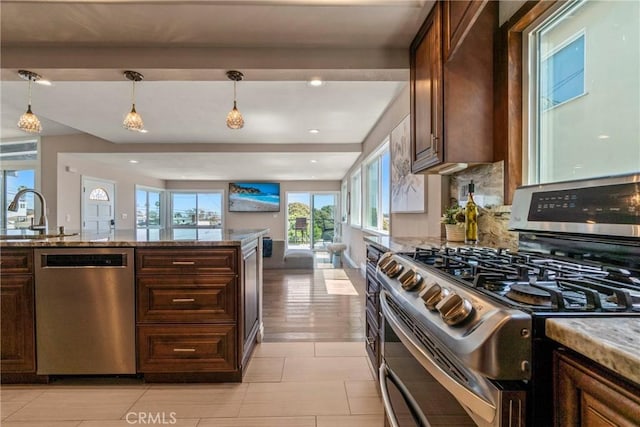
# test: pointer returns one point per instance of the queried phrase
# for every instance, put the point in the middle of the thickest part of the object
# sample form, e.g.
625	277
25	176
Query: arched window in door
99	194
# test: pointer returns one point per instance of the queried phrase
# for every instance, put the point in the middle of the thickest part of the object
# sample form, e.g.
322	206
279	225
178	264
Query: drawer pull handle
184	262
184	350
183	299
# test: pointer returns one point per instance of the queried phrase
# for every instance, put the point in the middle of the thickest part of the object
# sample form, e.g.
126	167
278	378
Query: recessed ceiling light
314	161
603	136
314	131
133	161
143	131
315	82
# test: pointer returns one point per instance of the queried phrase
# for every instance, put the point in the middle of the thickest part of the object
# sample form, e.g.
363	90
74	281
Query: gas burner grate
555	283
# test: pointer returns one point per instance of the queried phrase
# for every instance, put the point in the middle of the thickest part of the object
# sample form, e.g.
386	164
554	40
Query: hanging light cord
29	107
234	94
133	95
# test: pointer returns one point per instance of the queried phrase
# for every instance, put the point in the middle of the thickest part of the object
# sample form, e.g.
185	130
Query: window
377	184
19	169
149	207
356	190
193	213
583	91
345	199
562	74
99	194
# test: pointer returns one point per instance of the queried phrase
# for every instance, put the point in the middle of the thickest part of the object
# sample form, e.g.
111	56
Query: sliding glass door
311	219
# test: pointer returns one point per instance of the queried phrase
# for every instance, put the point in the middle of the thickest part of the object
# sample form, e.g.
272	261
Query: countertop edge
612	342
235	238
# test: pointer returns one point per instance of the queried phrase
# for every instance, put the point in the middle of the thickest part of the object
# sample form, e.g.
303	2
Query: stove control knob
410	280
393	268
384	259
433	294
454	309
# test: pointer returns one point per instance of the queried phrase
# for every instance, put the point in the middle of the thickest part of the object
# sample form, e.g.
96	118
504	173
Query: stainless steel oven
464	338
423	384
412	396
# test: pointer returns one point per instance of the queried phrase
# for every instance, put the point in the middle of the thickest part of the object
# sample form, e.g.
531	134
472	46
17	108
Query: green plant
453	215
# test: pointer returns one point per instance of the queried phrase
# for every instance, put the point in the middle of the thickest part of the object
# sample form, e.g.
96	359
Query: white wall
402	224
274	221
63	197
69	196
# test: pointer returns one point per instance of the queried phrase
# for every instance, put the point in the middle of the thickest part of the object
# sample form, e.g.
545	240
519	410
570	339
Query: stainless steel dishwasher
85	311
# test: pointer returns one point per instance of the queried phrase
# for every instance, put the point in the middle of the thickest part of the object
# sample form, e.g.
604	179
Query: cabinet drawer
186	261
187	298
16	261
194	348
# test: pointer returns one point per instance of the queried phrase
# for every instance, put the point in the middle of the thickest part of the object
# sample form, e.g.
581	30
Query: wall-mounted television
254	197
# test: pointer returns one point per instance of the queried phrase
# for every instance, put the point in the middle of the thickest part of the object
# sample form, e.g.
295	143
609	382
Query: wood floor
298	307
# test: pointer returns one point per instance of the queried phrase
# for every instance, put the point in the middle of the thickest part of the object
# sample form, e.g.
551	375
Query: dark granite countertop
141	238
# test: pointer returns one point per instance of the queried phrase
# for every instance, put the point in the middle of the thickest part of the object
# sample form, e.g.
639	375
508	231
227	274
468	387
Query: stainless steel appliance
85	315
464	329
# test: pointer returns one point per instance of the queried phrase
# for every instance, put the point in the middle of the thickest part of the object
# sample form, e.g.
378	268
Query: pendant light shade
133	120
234	118
28	121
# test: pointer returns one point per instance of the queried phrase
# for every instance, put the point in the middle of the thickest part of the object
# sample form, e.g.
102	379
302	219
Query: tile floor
290	384
316	383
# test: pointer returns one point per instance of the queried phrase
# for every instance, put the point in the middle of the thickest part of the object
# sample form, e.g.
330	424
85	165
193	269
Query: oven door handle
476	404
416	412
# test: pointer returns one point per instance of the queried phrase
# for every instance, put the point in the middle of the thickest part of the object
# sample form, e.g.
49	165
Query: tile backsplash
489	196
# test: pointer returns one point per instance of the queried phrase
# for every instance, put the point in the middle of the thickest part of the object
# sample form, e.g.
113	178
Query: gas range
474	317
534	282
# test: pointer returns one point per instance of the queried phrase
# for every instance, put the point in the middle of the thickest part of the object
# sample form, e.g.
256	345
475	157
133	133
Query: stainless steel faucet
43	225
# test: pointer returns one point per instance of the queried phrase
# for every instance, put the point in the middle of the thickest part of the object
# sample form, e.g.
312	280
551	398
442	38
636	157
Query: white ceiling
184	48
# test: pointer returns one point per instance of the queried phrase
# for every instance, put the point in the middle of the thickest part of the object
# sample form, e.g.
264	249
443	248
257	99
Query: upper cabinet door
452	101
426	94
458	18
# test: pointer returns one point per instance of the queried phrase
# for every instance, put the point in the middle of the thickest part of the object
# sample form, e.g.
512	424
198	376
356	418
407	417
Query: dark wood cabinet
17	320
372	309
188	314
187	348
458	18
589	395
452	95
250	283
426	94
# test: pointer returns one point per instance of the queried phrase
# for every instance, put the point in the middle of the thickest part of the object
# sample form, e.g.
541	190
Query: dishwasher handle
53	260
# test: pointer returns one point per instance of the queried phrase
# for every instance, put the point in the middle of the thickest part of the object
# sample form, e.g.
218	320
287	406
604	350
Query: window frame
355	215
163	206
376	156
17	165
170	223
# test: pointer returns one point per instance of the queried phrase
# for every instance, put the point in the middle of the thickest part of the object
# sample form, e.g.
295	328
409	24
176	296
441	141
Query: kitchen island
197	300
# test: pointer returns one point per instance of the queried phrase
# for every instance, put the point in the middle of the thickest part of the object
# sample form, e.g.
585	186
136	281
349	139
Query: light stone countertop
613	342
145	238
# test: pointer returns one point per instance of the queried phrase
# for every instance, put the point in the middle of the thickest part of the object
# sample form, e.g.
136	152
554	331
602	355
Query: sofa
301	259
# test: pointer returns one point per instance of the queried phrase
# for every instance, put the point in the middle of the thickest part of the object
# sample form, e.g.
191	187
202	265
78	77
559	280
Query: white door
98	213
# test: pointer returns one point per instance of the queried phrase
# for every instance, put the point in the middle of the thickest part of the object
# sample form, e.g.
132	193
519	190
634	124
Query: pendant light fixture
133	120
28	121
234	118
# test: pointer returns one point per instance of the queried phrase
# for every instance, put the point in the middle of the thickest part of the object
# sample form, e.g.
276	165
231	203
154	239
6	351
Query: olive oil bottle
471	218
